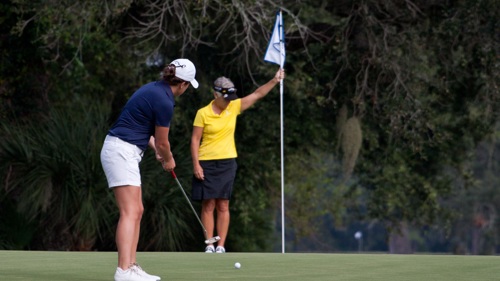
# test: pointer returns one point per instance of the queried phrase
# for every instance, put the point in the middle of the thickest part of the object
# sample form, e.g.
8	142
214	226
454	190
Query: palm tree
52	174
53	180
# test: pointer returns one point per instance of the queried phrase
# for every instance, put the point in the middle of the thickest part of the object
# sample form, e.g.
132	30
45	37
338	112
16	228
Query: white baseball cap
186	71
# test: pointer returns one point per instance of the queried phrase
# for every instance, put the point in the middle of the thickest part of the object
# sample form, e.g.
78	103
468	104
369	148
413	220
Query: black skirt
218	182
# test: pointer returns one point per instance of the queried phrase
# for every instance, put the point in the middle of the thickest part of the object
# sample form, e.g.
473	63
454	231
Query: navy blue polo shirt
151	105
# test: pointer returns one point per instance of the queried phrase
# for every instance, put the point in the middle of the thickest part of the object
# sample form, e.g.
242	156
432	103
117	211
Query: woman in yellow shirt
213	151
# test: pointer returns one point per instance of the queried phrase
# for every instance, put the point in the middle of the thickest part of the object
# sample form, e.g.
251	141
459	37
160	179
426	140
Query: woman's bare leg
207	216
223	218
129	201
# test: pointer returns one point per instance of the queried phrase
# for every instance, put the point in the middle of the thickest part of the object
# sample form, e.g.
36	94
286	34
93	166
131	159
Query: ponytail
168	74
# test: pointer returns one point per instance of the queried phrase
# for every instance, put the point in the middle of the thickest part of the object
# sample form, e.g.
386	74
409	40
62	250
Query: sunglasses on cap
224	91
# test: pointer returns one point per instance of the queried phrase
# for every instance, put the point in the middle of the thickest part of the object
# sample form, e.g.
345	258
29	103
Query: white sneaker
131	274
210	249
144	273
220	250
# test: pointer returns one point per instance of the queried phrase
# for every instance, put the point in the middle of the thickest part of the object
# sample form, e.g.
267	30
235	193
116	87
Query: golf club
208	240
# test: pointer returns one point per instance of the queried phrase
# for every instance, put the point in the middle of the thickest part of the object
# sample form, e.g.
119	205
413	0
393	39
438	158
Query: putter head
212	240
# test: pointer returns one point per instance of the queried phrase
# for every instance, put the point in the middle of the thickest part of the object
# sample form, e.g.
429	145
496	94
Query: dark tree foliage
385	103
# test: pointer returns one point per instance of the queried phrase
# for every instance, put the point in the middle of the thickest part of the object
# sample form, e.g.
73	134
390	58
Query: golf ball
237	265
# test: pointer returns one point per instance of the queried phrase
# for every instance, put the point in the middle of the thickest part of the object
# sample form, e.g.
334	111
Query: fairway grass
69	266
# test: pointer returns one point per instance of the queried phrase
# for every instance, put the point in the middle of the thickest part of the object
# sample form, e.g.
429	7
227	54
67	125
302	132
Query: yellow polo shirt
217	141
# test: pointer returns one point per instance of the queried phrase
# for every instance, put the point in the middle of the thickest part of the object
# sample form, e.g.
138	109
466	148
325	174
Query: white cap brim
194	83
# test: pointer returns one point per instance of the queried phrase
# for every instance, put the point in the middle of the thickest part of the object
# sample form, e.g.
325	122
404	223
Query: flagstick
282	142
282	49
282	173
271	56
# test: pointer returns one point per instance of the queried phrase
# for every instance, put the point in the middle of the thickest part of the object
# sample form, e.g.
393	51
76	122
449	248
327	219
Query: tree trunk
399	241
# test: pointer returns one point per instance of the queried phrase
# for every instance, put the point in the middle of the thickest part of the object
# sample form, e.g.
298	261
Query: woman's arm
195	147
151	144
262	91
162	146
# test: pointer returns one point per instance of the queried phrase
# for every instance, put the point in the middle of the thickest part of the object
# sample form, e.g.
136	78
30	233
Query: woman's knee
132	212
222	205
208	205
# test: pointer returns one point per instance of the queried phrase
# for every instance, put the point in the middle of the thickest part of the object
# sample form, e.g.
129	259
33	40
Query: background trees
389	109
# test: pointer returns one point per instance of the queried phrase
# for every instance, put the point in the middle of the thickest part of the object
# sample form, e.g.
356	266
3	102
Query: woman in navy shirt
143	122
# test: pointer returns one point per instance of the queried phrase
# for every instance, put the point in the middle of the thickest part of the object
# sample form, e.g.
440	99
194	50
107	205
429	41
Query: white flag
276	48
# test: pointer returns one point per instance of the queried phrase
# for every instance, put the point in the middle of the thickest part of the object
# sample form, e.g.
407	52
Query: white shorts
120	161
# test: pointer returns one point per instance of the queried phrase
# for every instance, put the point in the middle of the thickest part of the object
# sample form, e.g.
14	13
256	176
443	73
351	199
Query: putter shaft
208	240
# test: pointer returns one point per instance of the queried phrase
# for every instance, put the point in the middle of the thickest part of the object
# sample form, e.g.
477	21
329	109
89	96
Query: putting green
69	266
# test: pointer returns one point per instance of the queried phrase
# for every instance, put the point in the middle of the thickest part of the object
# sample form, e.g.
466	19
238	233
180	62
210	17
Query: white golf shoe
144	273
210	249
133	273
220	250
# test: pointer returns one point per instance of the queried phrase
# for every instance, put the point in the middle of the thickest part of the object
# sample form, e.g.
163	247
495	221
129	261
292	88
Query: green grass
67	266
